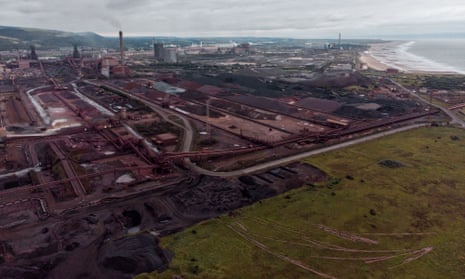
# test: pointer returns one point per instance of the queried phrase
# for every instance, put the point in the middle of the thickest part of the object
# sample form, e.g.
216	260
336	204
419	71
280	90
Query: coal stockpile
355	113
319	104
14	181
264	103
14	272
388	108
249	84
194	95
96	244
339	80
215	195
133	255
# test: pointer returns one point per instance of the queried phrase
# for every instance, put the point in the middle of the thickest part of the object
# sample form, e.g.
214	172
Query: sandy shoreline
373	63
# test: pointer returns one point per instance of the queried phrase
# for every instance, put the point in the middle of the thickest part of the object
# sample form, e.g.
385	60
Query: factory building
107	64
242	49
158	51
165	139
120	71
170	55
165	54
110	66
76	54
24	64
33	55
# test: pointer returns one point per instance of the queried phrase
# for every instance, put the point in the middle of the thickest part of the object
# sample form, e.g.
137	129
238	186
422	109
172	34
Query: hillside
18	37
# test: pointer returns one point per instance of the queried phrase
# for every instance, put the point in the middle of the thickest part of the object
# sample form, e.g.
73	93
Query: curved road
188	131
453	116
188	137
298	157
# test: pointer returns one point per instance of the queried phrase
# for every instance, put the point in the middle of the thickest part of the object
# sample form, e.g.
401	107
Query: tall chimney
121	47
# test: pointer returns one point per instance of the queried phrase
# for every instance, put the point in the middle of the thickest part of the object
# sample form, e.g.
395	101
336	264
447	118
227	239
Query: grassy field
366	221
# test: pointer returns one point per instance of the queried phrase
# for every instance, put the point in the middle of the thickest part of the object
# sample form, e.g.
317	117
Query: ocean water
422	55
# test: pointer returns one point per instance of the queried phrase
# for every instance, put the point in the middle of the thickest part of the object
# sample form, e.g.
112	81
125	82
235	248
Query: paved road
453	116
298	157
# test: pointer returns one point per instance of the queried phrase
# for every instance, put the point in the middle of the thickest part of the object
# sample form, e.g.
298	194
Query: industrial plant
92	140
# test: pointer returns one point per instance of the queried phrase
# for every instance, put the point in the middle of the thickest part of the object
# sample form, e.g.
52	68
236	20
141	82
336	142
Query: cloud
293	18
125	5
113	21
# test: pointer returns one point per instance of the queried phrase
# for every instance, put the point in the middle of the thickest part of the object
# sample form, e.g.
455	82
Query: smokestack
33	55
121	46
339	43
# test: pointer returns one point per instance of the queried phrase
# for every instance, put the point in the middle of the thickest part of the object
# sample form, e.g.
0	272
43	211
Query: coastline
373	62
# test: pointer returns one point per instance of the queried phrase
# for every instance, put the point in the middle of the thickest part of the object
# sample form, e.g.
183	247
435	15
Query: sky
260	18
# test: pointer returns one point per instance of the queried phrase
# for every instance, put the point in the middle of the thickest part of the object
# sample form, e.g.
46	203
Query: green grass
425	197
409	80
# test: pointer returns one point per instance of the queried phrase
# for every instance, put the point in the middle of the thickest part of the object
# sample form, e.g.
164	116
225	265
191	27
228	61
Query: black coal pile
133	255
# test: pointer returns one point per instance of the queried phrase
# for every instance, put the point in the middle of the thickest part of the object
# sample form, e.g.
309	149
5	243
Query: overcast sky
284	18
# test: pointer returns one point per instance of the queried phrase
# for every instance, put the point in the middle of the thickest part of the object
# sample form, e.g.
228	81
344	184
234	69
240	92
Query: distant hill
18	37
22	38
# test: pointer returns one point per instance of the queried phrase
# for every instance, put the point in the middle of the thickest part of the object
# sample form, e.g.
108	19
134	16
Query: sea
439	55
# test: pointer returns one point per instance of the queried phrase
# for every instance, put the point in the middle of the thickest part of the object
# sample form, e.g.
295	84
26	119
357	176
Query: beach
398	55
372	62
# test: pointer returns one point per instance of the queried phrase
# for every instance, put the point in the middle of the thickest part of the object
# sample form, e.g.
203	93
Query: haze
298	18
